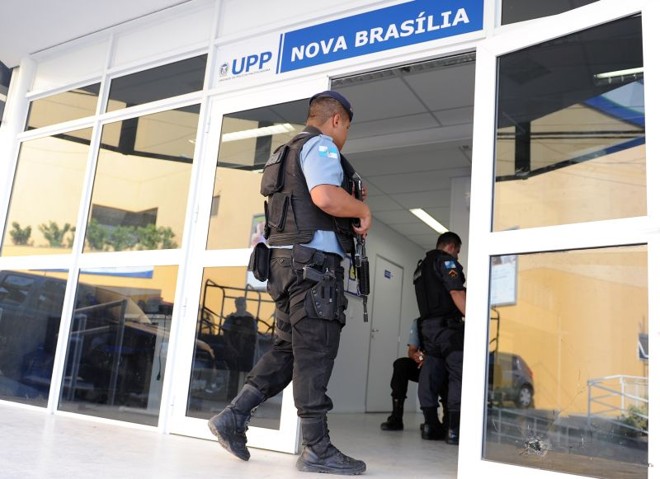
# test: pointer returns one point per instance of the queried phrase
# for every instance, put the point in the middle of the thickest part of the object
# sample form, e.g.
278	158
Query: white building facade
130	165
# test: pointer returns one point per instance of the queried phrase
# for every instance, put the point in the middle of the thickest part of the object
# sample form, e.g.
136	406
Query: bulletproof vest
433	299
291	215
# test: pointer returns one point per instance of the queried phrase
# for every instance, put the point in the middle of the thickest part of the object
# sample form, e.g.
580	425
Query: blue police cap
337	96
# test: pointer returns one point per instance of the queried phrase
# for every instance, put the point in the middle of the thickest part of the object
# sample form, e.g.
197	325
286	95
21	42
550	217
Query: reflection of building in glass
579	154
577	323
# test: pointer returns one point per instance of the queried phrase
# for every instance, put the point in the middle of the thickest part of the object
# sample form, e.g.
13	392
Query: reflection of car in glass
510	379
116	350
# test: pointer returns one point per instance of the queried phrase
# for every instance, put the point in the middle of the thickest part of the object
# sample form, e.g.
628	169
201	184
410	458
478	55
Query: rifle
360	260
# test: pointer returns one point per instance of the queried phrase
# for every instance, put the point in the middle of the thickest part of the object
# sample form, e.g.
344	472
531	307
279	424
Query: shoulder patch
328	151
450	264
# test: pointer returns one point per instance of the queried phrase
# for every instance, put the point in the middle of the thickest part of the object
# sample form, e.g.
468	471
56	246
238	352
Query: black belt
445	320
321	258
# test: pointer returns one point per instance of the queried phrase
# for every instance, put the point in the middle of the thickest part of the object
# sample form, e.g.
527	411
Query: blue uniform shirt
413	337
321	164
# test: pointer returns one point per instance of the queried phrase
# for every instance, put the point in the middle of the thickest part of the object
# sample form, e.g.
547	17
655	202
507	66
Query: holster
259	262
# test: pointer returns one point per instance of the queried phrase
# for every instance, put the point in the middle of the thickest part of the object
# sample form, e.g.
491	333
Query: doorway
411	141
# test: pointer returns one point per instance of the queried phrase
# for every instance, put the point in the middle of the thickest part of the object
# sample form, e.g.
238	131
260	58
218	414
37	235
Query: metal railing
619	399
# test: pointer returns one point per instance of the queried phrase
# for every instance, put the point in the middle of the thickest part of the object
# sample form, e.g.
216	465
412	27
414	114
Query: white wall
348	385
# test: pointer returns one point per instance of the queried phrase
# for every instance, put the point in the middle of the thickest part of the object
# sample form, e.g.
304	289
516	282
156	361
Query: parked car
116	349
510	380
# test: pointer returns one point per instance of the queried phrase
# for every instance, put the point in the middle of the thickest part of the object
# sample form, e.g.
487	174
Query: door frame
484	243
287	438
371	373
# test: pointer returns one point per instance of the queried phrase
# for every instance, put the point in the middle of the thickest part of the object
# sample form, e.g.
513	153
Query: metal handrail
618	401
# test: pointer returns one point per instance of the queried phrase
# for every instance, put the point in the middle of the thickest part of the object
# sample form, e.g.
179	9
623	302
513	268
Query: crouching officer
310	228
439	287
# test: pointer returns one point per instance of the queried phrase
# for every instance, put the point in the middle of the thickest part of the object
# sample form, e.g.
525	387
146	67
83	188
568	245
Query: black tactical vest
433	299
291	215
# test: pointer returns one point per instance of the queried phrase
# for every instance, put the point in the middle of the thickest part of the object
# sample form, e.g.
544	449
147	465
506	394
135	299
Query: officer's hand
365	223
419	358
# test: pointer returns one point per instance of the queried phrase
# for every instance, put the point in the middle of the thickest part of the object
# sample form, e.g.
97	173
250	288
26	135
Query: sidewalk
36	445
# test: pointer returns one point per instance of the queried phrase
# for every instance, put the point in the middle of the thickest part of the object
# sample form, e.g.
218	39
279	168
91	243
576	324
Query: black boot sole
304	467
225	443
386	426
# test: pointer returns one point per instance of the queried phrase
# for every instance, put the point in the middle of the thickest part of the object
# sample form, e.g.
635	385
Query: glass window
568	380
571	130
142	181
5	79
30	312
166	81
70	105
519	10
46	194
237	322
115	362
248	139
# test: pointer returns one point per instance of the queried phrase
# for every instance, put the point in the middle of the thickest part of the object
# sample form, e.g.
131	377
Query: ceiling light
619	76
257	132
429	220
629	71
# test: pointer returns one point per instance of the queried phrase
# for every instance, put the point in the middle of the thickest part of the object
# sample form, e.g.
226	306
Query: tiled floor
36	445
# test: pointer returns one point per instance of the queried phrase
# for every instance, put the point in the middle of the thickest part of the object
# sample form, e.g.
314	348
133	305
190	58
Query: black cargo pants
309	318
443	339
403	370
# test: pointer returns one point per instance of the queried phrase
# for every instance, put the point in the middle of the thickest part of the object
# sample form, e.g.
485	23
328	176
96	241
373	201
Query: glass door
229	321
562	252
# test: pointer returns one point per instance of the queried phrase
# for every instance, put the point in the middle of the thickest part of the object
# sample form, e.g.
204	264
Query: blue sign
413	22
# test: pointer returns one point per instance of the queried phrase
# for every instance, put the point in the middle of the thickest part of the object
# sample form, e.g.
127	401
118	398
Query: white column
13	123
459	214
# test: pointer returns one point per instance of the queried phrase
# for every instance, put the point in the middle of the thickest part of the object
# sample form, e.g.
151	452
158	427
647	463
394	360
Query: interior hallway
35	445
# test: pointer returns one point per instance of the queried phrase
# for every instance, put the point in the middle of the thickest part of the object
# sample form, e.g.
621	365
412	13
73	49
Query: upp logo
247	64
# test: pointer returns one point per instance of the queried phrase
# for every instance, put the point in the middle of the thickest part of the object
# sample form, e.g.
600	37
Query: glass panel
568	388
519	10
46	194
5	79
166	81
237	323
142	181
30	311
115	362
248	139
570	138
70	105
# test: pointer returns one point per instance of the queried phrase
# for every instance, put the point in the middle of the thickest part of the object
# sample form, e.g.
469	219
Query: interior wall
348	384
459	215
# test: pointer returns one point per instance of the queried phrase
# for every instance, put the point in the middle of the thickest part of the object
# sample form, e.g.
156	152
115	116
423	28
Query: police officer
403	370
440	290
310	227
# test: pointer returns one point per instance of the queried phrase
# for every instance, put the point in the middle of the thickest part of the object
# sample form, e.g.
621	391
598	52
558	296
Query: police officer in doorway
310	228
410	368
440	289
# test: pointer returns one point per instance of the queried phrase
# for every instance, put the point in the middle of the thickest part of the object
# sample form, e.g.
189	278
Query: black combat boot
454	425
231	424
395	421
319	455
432	430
